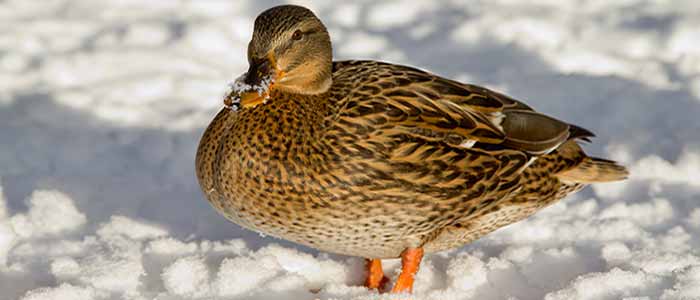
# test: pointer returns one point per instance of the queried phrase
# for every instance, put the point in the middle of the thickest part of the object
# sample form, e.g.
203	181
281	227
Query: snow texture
238	86
102	104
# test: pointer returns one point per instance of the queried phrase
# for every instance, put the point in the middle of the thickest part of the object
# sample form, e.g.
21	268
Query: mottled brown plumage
369	159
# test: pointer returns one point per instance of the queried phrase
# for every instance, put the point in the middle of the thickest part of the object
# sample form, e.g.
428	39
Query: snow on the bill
102	104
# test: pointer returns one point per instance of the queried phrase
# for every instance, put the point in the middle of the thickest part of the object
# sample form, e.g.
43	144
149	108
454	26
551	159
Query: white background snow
102	104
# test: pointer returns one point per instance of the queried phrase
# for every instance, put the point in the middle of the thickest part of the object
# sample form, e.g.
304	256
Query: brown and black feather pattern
390	157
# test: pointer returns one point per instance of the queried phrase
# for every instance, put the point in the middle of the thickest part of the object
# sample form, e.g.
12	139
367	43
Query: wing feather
419	101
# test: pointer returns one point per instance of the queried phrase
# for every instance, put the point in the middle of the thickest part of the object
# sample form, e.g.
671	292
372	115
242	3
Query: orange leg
410	260
375	274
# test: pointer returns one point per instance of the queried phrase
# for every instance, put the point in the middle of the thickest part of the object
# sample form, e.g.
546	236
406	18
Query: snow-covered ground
102	104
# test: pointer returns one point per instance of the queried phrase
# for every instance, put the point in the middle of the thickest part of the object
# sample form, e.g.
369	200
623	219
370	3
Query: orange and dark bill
253	88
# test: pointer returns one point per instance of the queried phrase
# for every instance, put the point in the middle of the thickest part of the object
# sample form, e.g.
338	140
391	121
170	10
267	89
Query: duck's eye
297	35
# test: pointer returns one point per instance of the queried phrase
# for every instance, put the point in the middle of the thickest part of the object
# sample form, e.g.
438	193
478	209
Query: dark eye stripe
308	32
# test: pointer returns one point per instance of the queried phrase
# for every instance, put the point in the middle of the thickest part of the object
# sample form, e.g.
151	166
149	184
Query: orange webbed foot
410	261
375	274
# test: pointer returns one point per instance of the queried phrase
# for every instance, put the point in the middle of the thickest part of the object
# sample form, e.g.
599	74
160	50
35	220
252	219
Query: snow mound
50	213
130	258
63	292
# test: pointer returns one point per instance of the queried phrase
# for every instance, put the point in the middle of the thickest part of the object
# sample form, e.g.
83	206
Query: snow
614	284
50	213
363	45
102	104
238	87
187	277
384	15
63	292
120	225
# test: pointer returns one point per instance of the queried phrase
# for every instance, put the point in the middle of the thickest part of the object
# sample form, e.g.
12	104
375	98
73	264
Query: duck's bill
253	87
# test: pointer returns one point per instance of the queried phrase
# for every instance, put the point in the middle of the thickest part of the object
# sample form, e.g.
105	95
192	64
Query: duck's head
290	52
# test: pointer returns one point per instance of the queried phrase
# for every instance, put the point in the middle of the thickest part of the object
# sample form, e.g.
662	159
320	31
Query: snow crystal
121	225
237	87
187	277
683	41
7	234
687	287
676	240
65	268
170	246
694	218
427	279
63	292
242	274
466	272
616	283
645	214
7	241
315	271
521	254
616	252
287	283
53	248
653	261
113	272
237	246
685	170
50	212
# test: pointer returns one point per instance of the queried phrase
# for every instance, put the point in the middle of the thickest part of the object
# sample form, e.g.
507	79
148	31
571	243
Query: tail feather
592	169
576	132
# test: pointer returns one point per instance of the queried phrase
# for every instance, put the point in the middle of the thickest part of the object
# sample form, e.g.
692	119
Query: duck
378	160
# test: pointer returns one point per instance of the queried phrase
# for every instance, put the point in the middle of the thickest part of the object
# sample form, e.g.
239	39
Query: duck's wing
388	95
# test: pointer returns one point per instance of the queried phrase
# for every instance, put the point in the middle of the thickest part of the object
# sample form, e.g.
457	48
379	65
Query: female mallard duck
377	160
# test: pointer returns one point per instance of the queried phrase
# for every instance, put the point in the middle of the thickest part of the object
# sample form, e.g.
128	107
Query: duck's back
539	159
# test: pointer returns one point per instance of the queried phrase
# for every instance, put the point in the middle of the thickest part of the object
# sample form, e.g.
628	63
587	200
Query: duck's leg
375	274
410	260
